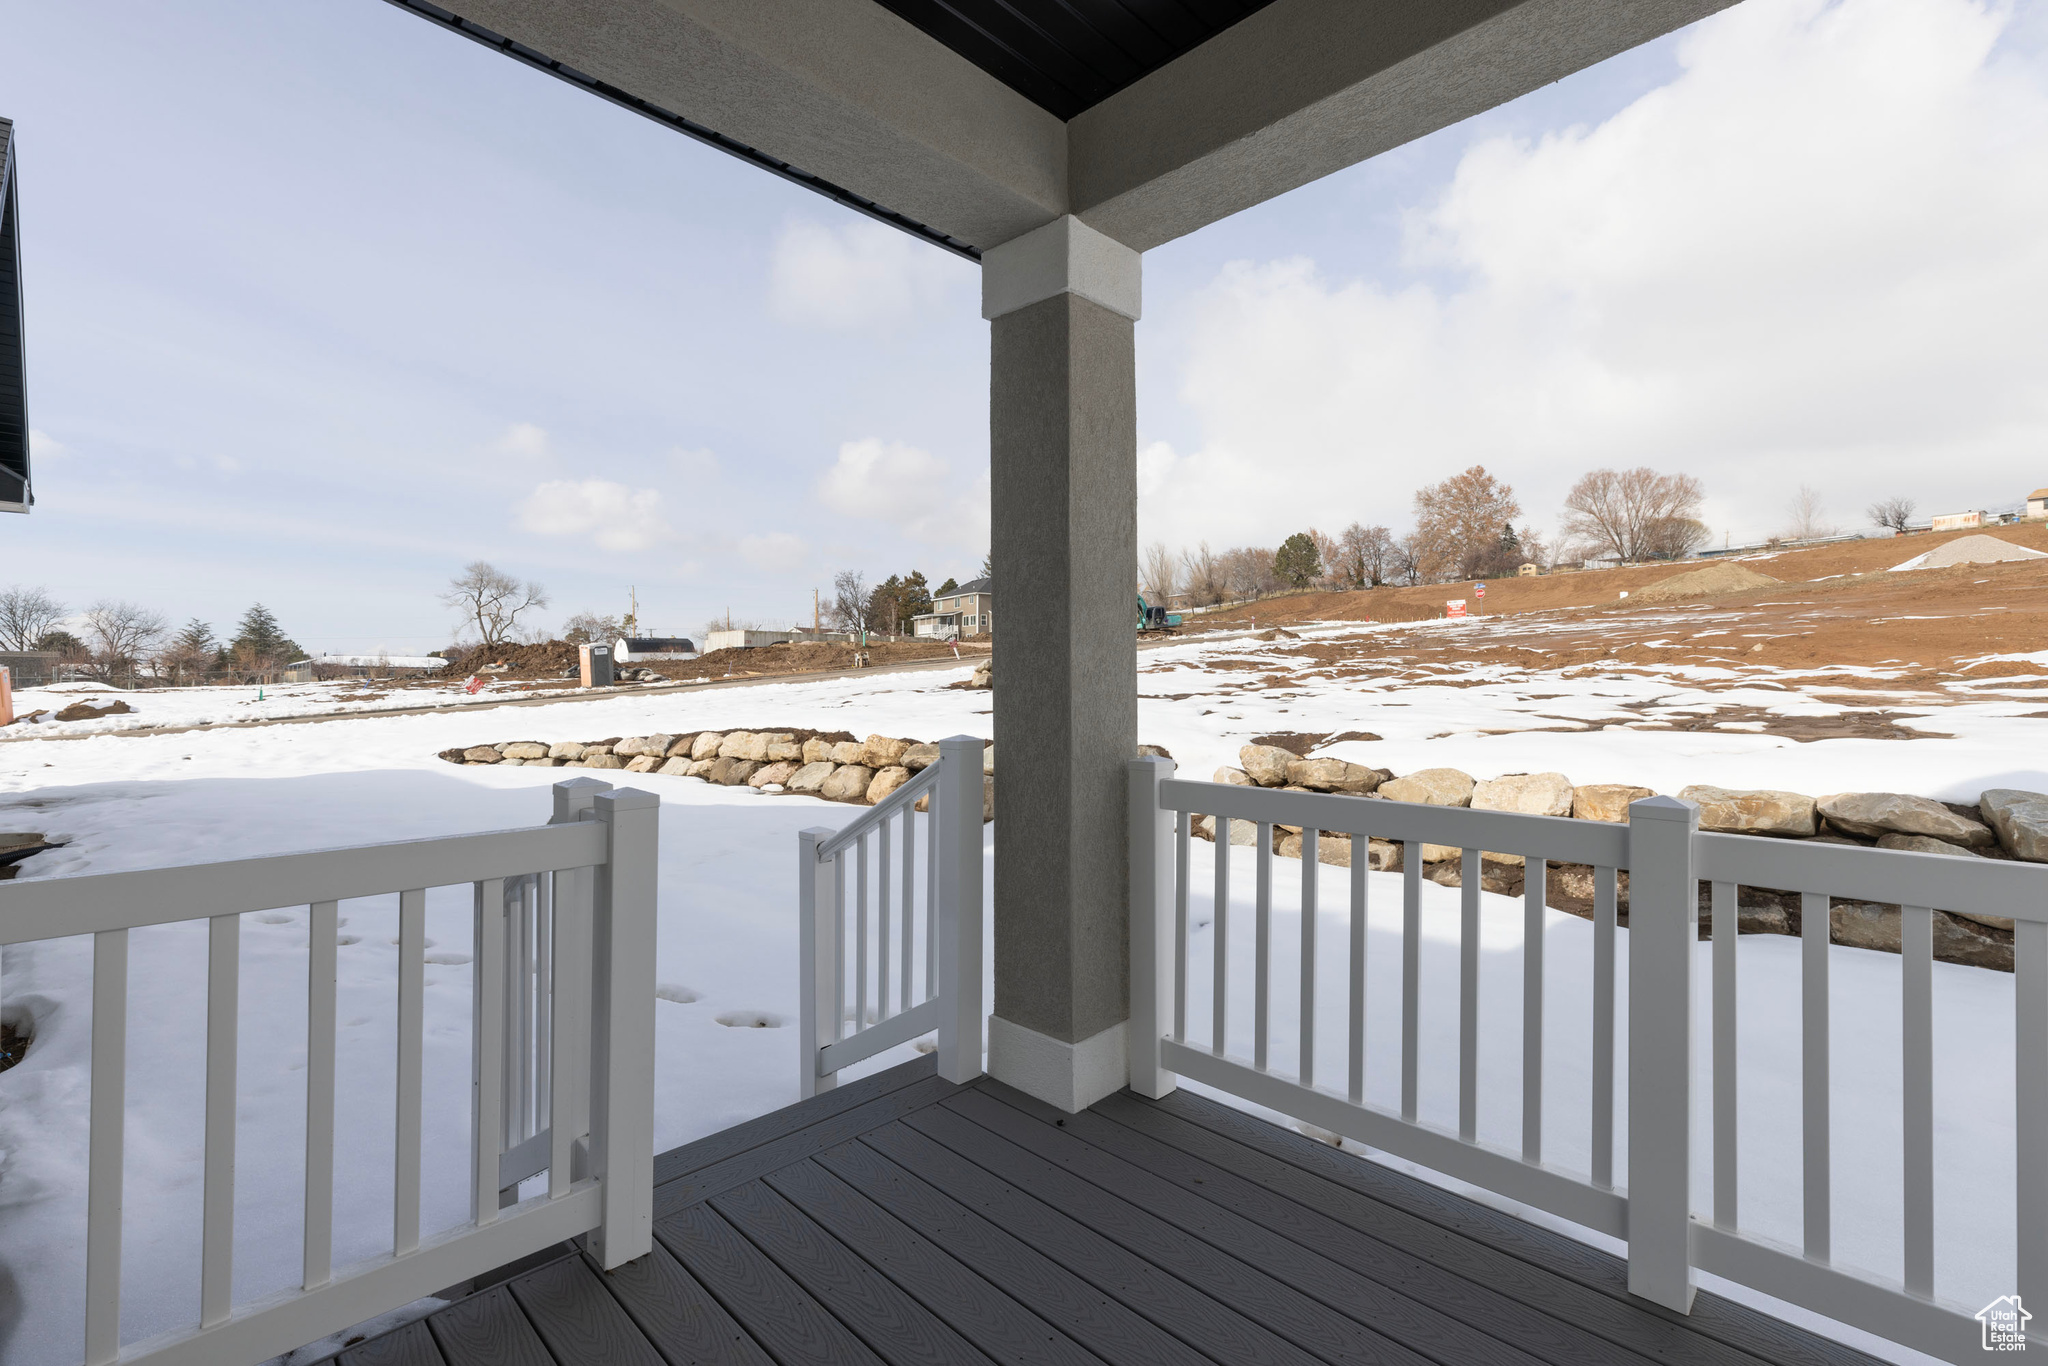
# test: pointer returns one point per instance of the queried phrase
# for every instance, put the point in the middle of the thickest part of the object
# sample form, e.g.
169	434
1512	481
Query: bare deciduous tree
850	599
26	616
1808	521
591	627
1159	574
1895	513
1458	517
1636	514
1364	554
1202	572
491	600
120	635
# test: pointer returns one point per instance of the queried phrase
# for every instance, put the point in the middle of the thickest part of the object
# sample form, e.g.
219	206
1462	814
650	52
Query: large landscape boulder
734	743
1332	775
988	758
636	746
1334	850
682	747
1922	844
1528	794
590	760
848	783
918	757
644	763
678	767
2021	820
565	749
848	752
1235	777
887	781
1266	765
1871	814
706	745
1430	787
1241	832
881	751
770	775
482	754
818	751
701	768
1606	801
1759	811
526	749
810	778
781	747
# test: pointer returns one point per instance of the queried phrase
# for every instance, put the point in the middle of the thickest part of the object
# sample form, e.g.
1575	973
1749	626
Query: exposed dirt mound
1712	581
1971	550
551	660
86	711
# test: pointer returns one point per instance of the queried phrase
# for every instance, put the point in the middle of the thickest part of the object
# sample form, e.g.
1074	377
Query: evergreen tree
1298	561
260	644
1510	544
948	586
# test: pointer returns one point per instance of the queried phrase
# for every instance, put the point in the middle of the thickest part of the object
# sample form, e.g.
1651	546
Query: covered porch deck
902	1218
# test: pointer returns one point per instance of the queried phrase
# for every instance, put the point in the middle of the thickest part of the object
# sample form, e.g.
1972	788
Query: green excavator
1155	618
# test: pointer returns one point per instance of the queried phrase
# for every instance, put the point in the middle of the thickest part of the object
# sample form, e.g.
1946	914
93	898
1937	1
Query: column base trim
1068	1076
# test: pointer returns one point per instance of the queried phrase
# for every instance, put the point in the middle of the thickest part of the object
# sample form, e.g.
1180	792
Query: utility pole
816	621
632	622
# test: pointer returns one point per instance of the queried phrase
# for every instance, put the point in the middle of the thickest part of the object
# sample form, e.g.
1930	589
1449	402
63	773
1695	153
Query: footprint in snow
750	1019
677	993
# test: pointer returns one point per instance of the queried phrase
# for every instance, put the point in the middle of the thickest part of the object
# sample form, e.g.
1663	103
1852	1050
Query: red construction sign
1455	607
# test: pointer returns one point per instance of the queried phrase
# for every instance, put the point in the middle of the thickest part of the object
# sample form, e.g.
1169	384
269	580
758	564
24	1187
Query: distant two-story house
2037	506
968	610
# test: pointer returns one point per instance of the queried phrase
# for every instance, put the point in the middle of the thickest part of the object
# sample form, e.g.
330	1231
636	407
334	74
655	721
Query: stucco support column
1063	304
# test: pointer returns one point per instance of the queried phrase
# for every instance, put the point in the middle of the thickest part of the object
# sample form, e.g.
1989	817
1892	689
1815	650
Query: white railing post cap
627	799
1663	809
963	740
583	785
1153	759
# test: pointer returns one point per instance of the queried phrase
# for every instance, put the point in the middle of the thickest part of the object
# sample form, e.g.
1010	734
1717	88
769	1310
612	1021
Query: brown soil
1830	618
1303	743
86	711
1603	587
13	1046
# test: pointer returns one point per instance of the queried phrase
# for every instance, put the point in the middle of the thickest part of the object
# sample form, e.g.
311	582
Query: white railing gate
584	978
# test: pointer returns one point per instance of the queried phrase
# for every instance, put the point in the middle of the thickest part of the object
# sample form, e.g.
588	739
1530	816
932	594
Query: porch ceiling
971	122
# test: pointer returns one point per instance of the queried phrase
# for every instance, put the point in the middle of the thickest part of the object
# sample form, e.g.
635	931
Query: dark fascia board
17	494
710	137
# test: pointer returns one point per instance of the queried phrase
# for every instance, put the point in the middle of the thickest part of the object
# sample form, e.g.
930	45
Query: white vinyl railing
1666	857
899	966
598	856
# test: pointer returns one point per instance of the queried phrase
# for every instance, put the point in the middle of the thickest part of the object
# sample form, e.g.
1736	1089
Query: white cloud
1814	256
42	446
612	515
524	441
861	275
909	489
773	552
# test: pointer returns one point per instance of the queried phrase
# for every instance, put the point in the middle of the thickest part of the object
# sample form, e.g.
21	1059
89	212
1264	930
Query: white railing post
622	1001
574	798
817	963
1663	927
957	814
1152	928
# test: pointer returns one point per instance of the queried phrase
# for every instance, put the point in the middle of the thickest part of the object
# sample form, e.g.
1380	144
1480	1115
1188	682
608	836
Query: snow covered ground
728	947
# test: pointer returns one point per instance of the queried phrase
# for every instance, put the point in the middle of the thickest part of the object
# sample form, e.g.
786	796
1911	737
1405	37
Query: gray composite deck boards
904	1220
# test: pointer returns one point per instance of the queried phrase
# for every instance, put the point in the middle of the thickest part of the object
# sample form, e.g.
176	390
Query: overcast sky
324	303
